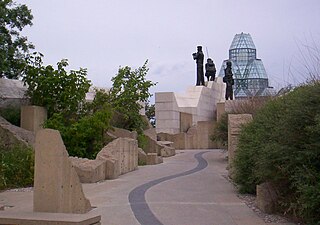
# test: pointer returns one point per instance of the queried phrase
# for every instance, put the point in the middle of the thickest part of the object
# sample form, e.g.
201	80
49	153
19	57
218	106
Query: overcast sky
102	35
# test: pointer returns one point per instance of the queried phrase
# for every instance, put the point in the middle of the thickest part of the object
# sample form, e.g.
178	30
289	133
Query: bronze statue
210	70
228	79
198	56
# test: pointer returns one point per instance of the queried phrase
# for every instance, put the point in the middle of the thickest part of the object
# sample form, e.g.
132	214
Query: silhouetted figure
210	70
198	56
228	79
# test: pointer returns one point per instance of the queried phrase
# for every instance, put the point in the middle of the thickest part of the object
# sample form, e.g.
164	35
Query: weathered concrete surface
220	110
142	157
57	187
198	101
159	147
153	159
235	123
185	121
266	197
122	133
197	137
33	117
11	135
202	198
123	150
32	218
89	171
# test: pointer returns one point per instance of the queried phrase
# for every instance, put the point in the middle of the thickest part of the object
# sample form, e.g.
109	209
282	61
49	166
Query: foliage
129	88
56	89
220	134
142	141
249	105
282	146
151	113
13	47
11	114
84	137
16	167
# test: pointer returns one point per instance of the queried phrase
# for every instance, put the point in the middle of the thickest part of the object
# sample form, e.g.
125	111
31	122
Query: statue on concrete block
199	56
228	79
210	70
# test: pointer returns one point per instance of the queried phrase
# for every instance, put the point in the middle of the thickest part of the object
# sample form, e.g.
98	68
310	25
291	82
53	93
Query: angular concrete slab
57	187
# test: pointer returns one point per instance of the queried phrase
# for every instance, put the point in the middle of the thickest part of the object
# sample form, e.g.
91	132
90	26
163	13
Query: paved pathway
187	189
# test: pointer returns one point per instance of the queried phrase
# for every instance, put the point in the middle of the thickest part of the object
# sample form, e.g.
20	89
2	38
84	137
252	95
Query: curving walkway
187	189
137	197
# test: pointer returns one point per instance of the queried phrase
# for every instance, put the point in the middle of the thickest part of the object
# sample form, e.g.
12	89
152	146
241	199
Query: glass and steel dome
249	73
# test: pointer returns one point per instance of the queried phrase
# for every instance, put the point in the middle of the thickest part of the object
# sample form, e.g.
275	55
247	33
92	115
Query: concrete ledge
37	218
153	159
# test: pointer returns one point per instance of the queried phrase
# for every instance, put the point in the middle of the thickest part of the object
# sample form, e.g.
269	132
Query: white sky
102	35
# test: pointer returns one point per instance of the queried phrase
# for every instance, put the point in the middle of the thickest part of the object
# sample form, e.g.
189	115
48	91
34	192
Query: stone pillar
57	187
235	122
220	110
33	117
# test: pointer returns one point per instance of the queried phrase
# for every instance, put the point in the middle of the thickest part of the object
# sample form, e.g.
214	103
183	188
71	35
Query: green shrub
16	167
220	133
12	115
282	146
86	136
142	141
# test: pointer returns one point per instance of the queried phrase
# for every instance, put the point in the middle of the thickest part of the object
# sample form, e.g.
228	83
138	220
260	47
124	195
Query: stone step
37	218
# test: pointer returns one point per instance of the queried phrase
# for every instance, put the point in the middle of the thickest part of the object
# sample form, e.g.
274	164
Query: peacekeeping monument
250	77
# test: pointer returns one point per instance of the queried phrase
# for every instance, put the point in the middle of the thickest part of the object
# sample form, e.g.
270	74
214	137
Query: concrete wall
33	118
185	121
197	137
167	113
123	150
199	101
235	123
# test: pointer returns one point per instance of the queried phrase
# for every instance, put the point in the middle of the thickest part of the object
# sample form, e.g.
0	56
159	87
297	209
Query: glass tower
250	77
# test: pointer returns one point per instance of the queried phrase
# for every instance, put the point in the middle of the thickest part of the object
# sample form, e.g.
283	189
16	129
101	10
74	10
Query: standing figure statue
210	70
228	79
198	56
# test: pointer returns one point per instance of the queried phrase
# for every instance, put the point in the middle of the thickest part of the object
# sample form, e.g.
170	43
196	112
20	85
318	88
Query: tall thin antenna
207	52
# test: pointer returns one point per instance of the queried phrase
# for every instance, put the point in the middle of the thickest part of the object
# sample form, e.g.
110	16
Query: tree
151	113
129	88
56	89
13	47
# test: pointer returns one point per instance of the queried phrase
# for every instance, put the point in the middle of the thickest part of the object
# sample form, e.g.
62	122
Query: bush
86	136
12	115
16	167
282	146
249	105
220	134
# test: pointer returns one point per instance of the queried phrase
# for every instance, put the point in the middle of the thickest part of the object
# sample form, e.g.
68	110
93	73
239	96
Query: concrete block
33	117
185	121
164	97
167	151
142	157
235	122
112	169
153	159
220	110
57	187
124	151
89	171
266	197
118	132
42	218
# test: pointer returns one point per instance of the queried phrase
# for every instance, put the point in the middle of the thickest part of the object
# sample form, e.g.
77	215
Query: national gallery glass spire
250	77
